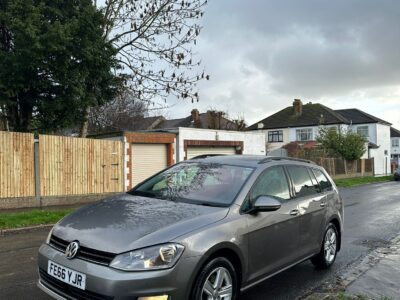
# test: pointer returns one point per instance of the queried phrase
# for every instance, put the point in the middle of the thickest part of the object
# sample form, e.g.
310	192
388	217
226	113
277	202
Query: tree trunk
83	131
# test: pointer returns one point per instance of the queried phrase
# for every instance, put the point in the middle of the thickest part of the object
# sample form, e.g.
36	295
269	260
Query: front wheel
216	281
326	257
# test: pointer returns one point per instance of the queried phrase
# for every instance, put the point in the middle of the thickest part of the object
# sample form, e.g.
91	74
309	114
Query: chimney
297	107
195	117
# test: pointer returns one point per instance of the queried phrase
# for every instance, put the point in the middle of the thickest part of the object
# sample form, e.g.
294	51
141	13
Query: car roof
253	161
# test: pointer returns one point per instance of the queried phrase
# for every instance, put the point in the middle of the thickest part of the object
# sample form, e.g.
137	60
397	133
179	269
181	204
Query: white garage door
195	151
147	159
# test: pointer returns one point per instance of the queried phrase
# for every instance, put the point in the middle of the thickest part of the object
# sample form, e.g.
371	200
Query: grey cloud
261	53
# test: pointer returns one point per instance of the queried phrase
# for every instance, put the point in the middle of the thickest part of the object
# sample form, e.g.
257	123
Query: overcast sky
261	54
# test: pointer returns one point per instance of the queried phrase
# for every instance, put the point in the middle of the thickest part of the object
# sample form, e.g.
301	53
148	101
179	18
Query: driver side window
273	183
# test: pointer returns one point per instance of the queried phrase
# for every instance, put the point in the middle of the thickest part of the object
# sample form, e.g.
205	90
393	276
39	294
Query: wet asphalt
372	219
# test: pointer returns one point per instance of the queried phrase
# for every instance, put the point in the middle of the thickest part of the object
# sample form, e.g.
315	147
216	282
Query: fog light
163	297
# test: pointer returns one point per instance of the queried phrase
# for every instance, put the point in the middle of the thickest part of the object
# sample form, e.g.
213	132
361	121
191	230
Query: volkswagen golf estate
207	228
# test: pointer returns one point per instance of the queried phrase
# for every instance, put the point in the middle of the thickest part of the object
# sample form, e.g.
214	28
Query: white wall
372	131
277	145
253	142
382	160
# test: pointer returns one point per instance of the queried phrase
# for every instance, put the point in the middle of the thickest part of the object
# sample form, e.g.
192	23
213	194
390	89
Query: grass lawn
348	182
31	218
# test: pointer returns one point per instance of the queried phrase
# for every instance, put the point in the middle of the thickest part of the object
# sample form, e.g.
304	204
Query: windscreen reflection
198	183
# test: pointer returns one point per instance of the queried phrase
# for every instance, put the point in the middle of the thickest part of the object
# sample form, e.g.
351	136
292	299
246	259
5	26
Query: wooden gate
76	166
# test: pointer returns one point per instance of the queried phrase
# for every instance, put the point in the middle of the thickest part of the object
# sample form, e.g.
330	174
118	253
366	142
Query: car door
273	236
326	189
312	208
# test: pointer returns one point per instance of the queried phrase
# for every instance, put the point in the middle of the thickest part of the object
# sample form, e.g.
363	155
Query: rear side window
302	183
323	181
272	182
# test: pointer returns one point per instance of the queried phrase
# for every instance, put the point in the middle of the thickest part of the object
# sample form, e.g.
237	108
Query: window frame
363	127
248	195
397	141
274	133
308	169
312	170
299	132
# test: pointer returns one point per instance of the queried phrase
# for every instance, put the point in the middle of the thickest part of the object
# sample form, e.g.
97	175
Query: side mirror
265	203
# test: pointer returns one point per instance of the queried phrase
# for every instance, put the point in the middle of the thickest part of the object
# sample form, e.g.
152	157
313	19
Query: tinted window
272	182
198	183
302	181
323	181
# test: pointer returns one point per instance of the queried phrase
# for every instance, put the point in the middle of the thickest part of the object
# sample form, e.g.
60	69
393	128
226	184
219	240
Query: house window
363	131
332	128
304	134
275	136
395	142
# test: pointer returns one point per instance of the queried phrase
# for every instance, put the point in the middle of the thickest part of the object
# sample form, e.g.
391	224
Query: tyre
327	256
217	281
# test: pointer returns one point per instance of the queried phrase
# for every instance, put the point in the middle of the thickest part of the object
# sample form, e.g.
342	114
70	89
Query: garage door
147	159
195	151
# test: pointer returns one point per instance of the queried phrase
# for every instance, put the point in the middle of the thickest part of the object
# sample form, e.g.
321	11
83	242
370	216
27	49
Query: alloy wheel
330	245
218	285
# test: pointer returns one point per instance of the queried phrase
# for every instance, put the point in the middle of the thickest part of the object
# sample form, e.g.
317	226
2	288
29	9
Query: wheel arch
227	250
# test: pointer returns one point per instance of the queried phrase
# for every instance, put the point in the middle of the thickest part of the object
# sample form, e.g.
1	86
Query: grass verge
31	218
349	182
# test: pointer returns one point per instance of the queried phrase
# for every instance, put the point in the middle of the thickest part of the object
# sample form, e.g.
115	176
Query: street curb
4	232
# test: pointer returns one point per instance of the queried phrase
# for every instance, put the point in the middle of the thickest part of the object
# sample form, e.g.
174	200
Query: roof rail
206	156
272	158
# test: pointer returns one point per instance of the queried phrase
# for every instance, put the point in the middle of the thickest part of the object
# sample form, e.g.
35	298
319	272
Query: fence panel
16	165
76	166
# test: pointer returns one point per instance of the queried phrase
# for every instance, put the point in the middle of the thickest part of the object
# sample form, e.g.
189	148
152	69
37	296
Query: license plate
66	275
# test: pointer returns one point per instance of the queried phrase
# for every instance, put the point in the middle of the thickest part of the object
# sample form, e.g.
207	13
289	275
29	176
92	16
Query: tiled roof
356	116
312	114
394	132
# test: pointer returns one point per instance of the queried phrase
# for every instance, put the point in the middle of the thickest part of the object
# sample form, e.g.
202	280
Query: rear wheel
216	281
327	256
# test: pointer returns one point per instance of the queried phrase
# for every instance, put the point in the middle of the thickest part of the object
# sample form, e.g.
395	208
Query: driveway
372	219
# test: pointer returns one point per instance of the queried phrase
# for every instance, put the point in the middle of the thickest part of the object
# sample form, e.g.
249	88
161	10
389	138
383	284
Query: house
209	120
300	123
395	145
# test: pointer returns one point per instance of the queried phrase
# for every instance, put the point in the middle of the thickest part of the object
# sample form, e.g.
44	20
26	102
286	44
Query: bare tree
154	40
125	112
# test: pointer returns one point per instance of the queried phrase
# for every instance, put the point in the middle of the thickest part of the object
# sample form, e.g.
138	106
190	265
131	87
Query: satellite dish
260	125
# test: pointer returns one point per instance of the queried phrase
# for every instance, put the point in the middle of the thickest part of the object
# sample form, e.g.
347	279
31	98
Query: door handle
294	212
322	204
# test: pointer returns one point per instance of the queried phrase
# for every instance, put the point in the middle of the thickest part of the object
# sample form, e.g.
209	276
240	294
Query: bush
346	144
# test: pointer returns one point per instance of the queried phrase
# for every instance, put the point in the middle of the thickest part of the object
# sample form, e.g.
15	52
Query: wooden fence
340	168
76	166
16	165
58	166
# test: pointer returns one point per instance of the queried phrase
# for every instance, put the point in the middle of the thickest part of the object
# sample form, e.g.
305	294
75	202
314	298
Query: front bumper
103	282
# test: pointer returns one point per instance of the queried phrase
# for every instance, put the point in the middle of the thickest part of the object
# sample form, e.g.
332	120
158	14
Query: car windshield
199	183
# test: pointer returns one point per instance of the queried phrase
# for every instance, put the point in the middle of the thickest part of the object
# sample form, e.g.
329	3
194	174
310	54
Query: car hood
129	222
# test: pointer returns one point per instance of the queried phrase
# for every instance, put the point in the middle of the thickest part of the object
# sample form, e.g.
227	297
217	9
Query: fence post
37	171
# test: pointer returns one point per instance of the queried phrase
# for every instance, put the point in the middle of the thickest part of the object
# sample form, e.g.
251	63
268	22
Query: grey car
207	228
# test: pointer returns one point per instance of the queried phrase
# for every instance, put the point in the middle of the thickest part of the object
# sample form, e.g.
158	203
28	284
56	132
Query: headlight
49	236
152	258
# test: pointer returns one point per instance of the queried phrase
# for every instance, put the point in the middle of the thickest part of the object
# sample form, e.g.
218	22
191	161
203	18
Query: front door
273	236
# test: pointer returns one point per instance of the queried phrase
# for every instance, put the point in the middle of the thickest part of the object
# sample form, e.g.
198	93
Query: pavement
372	221
380	274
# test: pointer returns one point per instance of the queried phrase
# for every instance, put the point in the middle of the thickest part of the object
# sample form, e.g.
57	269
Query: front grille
92	255
58	286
